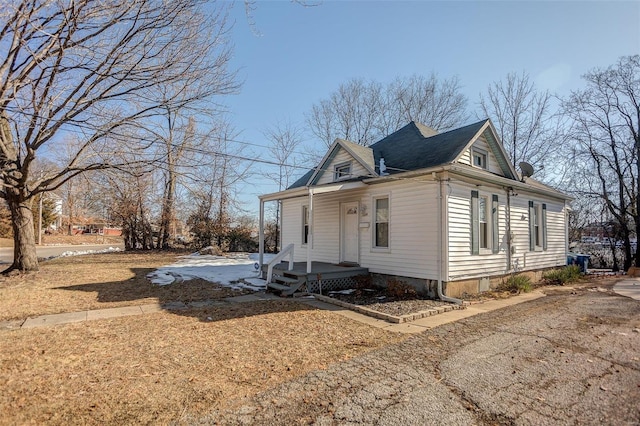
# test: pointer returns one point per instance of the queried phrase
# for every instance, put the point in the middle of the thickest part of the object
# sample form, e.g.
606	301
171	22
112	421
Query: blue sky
304	53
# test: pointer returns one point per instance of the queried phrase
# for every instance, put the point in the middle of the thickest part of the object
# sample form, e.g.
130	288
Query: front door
349	240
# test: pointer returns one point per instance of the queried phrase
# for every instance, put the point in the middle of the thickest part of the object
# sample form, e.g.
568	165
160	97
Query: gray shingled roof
365	153
412	148
407	149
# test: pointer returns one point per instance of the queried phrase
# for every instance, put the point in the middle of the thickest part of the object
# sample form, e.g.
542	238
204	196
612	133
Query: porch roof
320	189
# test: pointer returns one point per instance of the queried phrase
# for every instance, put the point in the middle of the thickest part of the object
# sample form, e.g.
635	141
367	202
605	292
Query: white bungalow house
445	212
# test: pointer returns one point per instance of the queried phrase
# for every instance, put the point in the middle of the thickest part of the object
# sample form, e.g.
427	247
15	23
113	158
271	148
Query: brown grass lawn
153	368
98	281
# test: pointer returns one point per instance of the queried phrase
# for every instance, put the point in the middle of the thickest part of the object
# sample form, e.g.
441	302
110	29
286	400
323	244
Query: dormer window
479	158
342	171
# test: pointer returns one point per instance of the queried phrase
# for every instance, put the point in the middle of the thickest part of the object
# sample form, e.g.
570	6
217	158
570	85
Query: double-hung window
484	223
537	226
381	231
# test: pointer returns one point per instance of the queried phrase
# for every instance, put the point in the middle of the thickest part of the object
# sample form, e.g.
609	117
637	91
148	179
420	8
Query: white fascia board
283	195
326	158
303	191
337	187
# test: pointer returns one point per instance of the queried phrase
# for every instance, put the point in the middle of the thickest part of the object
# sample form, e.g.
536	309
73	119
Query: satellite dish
527	169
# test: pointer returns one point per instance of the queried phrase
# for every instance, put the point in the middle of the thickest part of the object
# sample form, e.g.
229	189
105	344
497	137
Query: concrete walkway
412	327
125	311
629	287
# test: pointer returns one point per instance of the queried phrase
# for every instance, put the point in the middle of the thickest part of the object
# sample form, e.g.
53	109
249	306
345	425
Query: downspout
508	228
441	246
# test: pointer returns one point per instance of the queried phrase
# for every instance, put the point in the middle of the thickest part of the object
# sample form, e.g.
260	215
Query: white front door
349	240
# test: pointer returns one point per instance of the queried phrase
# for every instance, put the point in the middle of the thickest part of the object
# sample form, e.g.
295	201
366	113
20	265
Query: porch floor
300	269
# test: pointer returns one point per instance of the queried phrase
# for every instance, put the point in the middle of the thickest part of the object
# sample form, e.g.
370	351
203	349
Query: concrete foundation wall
472	286
429	288
424	287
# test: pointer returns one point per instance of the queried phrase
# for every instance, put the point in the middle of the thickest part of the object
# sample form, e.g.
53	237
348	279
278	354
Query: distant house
96	228
446	212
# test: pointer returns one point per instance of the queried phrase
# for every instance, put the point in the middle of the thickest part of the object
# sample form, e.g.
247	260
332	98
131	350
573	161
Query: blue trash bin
583	262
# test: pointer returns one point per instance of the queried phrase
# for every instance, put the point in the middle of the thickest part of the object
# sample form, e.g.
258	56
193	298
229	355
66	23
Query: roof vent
383	168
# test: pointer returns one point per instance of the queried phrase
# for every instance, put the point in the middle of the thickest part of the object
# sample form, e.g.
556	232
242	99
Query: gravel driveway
572	357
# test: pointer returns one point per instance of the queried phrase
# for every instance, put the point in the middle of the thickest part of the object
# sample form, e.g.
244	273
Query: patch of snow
236	270
258	283
83	252
347	291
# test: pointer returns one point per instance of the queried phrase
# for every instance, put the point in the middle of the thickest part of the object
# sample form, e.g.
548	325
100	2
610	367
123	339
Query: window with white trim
342	171
305	224
479	158
381	229
537	226
484	223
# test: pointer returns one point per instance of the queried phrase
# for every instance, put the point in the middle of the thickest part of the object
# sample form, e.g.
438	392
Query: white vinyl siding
482	146
413	230
342	157
555	253
292	226
462	262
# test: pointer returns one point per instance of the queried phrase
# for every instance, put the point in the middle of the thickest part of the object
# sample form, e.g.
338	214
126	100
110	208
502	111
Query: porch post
261	235
310	239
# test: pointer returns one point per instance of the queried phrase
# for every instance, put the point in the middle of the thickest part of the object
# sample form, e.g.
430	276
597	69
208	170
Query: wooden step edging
387	317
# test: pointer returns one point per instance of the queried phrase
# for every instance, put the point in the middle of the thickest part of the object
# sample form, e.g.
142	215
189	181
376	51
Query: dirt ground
155	368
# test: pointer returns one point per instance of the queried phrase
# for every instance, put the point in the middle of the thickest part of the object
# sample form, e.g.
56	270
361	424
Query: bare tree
606	130
92	69
427	100
175	143
285	139
524	119
364	112
213	184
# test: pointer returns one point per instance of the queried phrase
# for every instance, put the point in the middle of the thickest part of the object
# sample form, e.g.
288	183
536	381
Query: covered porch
308	245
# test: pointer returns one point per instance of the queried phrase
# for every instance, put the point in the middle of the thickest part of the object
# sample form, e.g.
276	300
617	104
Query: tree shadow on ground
198	298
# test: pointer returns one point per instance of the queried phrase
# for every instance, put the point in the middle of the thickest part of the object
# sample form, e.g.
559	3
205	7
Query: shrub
516	284
400	289
362	281
564	275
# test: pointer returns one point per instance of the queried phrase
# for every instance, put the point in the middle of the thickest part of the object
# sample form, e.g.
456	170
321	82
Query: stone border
386	317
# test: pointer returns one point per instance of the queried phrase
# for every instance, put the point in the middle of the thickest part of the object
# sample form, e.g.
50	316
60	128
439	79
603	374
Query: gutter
441	247
471	173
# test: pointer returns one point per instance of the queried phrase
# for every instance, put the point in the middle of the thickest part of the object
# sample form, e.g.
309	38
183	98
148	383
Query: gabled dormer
485	152
344	161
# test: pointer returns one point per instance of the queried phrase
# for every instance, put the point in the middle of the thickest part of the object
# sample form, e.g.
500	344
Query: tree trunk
25	257
166	218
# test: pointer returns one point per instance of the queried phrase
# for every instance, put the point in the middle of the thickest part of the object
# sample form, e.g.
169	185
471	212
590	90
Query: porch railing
288	250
